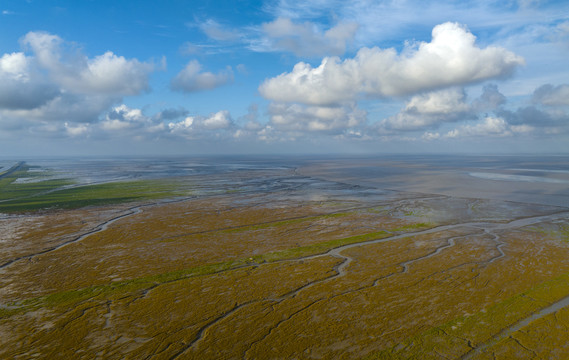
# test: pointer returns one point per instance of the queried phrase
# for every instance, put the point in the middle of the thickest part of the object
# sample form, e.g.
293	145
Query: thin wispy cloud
192	78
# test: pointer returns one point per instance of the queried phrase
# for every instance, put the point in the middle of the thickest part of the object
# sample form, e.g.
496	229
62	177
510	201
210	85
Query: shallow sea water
530	179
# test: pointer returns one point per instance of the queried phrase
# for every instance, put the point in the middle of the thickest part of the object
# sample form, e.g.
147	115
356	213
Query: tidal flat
308	258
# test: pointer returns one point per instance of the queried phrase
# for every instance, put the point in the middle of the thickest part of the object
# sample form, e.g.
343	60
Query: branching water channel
340	271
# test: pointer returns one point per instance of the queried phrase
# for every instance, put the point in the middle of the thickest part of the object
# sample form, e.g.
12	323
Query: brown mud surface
311	269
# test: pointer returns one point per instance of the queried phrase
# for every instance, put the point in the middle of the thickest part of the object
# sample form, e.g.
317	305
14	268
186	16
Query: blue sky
265	77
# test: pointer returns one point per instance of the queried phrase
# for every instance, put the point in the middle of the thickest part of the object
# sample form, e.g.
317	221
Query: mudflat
311	259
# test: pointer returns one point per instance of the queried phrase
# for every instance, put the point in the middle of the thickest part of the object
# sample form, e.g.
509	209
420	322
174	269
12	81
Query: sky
283	77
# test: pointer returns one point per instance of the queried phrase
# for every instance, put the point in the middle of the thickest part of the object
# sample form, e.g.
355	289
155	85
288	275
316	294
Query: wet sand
539	181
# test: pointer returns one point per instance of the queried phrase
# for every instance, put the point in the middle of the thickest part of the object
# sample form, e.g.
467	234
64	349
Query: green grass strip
119	288
88	195
10	190
56	194
449	339
318	248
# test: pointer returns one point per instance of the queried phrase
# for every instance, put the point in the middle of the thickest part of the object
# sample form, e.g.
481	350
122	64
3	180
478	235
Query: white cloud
122	117
548	118
450	59
329	84
446	101
124	113
171	114
552	95
76	130
181	126
301	118
490	126
106	74
429	136
522	129
65	107
20	87
202	126
115	125
111	74
281	34
390	20
218	120
306	39
192	79
249	123
430	110
52	89
15	65
490	99
296	9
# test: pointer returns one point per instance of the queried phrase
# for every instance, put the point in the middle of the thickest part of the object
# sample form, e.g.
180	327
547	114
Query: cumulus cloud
306	39
446	101
72	108
15	65
450	59
249	124
192	79
429	136
430	109
539	118
196	126
171	114
122	117
19	87
435	109
107	74
552	95
490	126
490	99
218	120
74	130
112	74
323	119
52	89
181	126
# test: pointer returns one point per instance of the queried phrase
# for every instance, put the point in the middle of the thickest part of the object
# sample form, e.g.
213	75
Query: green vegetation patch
561	231
38	197
115	290
416	226
12	191
453	338
120	288
318	248
39	194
